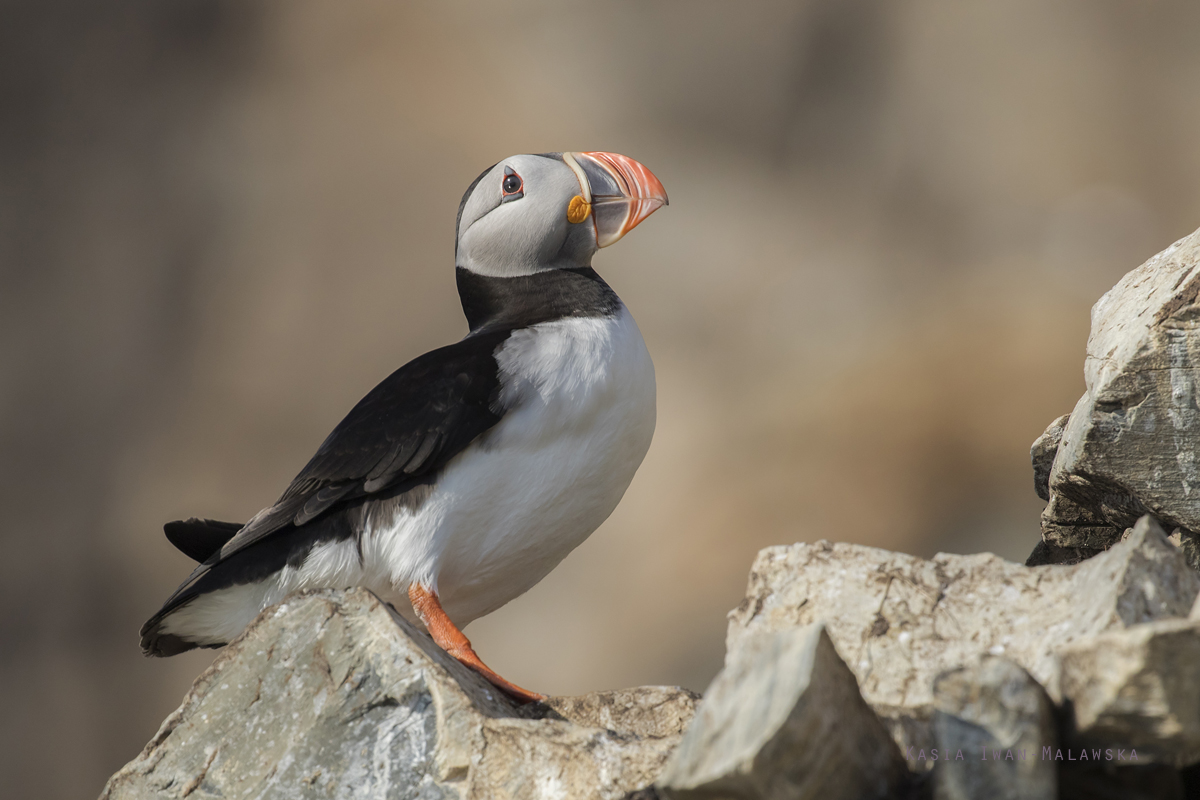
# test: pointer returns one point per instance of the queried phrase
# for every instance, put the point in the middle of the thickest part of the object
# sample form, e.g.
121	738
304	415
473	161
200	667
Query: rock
1068	525
912	731
332	694
1042	454
998	718
900	621
1130	445
1136	689
1089	780
646	712
1045	553
784	719
1188	544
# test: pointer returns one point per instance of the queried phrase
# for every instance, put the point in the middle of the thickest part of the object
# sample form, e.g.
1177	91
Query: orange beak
622	193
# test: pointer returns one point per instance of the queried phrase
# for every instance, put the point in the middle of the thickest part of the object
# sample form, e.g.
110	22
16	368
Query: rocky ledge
850	672
333	694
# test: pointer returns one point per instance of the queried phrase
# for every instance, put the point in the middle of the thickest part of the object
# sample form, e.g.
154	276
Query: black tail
198	539
158	644
202	540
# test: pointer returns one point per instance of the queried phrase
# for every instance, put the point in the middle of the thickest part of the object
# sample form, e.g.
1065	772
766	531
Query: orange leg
452	640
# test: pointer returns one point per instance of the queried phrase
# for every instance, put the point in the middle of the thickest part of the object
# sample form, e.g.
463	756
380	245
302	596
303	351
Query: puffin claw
448	637
507	687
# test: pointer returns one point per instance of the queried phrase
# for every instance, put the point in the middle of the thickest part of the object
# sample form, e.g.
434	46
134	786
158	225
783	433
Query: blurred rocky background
221	223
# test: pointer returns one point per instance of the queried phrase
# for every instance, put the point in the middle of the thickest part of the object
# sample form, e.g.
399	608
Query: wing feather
408	426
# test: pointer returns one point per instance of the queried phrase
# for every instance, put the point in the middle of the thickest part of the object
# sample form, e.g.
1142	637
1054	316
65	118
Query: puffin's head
531	213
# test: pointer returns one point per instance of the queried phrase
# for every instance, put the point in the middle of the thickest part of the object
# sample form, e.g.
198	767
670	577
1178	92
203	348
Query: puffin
469	473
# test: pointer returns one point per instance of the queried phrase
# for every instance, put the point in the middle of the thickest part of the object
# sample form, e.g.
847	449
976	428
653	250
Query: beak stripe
584	186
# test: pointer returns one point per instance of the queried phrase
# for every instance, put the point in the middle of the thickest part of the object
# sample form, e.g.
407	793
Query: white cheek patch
520	237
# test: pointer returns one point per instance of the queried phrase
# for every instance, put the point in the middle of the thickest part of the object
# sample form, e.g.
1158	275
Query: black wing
407	427
402	432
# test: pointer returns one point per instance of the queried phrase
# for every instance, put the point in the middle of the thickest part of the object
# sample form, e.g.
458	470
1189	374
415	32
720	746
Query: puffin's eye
512	184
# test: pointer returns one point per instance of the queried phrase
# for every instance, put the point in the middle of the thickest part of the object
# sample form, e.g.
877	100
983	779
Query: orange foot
454	642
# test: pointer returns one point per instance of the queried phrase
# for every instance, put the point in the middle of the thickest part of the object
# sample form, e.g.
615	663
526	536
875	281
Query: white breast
581	395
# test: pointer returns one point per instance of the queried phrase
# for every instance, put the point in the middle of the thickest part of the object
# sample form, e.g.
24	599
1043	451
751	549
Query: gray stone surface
1042	454
332	695
911	728
1130	445
646	712
998	718
784	719
1188	544
899	621
1136	689
1070	524
1045	553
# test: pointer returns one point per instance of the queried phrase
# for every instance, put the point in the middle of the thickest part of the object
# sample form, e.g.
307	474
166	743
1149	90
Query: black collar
492	303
